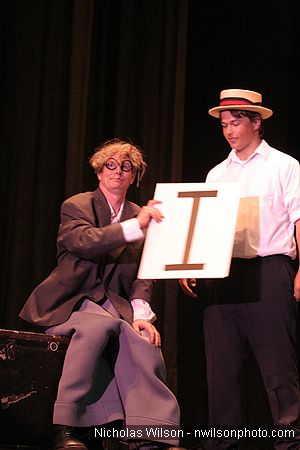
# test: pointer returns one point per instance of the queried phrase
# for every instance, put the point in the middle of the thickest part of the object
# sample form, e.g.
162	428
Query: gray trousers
110	373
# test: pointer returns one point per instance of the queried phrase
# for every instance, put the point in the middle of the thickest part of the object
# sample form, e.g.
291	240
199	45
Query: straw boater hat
242	100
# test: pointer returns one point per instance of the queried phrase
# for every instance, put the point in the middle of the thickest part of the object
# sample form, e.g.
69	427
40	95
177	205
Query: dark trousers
253	310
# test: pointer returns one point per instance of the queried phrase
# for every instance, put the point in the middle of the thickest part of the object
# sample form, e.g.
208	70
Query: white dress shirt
269	203
132	232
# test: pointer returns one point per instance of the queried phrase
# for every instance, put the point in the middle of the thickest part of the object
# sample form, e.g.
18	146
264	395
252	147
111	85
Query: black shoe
66	438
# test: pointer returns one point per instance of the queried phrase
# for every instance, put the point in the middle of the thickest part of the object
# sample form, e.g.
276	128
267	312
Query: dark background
77	72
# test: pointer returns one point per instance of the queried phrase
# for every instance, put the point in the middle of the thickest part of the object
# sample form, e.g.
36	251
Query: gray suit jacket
94	262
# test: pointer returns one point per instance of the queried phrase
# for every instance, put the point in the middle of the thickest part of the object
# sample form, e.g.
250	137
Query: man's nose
229	130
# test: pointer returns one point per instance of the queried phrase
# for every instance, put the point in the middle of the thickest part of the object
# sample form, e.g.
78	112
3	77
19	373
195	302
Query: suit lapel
102	210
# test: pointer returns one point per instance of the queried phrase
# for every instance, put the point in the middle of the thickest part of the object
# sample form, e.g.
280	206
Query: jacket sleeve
142	289
79	234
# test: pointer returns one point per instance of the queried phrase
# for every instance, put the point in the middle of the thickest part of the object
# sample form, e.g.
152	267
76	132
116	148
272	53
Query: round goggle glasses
125	166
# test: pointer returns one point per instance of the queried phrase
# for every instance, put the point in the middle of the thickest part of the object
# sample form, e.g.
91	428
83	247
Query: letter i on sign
196	195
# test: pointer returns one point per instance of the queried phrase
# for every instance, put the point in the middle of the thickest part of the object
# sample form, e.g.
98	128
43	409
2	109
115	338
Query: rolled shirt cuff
131	229
142	310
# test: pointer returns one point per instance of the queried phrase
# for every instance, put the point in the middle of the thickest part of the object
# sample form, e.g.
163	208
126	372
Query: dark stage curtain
77	72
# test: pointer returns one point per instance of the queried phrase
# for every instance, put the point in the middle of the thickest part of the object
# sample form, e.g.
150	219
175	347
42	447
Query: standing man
254	309
113	368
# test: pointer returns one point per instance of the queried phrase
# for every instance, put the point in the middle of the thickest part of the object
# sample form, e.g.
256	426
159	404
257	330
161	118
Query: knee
94	326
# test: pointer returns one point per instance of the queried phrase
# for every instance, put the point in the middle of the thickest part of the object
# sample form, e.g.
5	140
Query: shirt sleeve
142	310
131	229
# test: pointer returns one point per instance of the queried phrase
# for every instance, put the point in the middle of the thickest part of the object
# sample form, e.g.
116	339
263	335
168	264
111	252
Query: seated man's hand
187	284
154	337
149	212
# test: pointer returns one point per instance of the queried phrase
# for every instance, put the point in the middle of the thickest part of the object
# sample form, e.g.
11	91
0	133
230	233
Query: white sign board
195	238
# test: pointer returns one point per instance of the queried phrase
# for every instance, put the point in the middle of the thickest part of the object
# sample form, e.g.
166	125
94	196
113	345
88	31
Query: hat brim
264	112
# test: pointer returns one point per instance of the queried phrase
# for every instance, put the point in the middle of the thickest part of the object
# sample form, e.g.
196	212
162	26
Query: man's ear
257	122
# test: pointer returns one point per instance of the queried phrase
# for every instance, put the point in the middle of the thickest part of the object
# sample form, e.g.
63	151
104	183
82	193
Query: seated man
113	368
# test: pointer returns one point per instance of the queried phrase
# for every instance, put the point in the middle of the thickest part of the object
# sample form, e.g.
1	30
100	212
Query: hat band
237	101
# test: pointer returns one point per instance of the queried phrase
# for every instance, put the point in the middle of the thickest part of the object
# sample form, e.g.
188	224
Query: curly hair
120	148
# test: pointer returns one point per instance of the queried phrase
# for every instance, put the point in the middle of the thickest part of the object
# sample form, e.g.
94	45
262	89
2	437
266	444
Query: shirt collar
115	217
262	150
